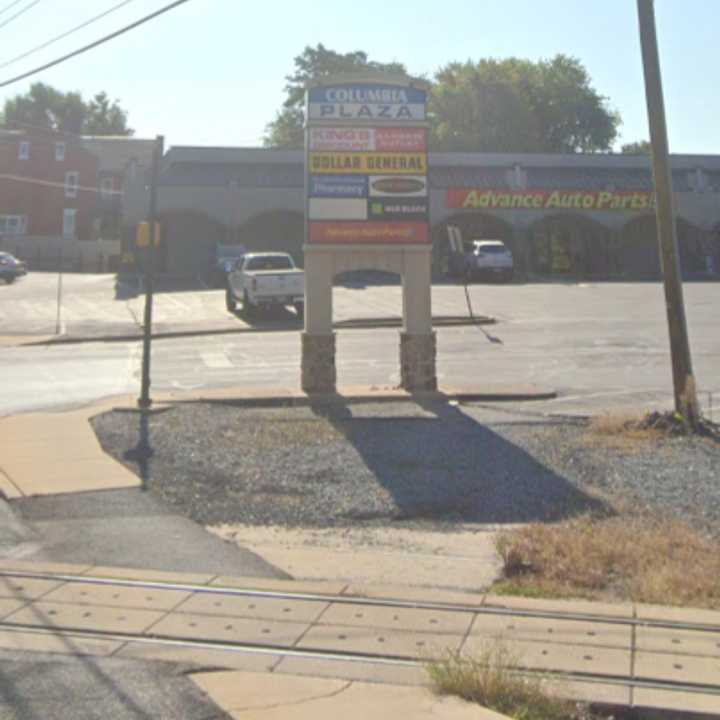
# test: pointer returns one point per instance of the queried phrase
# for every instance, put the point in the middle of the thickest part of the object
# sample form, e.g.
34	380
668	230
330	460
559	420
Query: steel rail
360	600
349	656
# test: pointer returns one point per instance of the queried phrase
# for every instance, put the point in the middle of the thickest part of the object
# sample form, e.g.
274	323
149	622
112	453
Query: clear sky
212	72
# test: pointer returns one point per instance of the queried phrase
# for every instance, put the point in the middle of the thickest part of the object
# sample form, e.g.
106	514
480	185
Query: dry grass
619	431
490	682
279	431
638	558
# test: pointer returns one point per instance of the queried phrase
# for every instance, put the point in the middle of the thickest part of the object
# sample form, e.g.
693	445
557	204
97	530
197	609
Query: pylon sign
367	164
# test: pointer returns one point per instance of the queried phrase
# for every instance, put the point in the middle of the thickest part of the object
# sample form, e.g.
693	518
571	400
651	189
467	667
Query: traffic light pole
686	402
144	401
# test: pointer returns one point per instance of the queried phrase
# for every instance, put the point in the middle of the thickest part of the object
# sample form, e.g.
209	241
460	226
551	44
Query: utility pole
686	402
144	401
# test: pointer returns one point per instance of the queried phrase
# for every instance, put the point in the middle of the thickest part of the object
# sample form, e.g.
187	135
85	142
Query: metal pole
144	400
686	402
58	316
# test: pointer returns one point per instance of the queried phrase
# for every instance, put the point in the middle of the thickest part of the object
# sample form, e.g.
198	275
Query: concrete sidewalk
56	453
257	696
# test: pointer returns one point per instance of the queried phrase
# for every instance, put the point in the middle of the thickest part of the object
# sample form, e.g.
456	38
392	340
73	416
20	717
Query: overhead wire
10	6
62	36
19	13
95	44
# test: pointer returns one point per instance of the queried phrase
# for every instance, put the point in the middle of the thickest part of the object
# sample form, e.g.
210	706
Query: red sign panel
347	139
364	233
400	139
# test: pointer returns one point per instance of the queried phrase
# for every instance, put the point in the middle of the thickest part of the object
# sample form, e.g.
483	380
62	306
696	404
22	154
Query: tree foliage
312	65
46	107
511	105
517	105
639	147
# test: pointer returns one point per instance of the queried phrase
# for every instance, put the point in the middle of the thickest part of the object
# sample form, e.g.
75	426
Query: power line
10	6
52	183
95	44
66	34
19	13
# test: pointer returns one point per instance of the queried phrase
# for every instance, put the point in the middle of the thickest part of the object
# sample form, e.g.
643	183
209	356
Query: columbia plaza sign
367	165
366	102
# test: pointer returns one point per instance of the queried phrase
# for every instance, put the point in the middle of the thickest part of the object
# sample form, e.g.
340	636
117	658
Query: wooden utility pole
144	400
684	382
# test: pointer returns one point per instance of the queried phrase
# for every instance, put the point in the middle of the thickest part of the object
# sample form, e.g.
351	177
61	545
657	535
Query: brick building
68	200
48	186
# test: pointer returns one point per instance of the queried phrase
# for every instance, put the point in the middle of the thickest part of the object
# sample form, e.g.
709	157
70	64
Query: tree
516	105
474	107
639	147
45	107
314	64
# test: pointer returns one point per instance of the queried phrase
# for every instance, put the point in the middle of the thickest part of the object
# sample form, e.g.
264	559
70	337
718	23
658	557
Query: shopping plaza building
577	216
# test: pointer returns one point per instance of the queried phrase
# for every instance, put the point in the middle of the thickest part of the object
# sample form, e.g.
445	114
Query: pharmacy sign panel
367	165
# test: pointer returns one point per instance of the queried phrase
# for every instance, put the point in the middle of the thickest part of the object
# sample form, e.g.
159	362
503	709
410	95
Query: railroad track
710	633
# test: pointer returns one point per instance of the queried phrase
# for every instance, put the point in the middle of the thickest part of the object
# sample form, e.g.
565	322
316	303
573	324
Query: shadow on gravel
450	467
341	465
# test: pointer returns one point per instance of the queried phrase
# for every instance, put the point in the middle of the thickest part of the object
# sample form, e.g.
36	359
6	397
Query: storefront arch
189	239
275	231
640	251
472	226
571	246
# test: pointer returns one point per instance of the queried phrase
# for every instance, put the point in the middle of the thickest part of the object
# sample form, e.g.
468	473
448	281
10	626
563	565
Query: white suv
491	258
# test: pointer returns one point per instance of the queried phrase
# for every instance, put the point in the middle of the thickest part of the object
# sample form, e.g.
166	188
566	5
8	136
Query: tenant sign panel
367	165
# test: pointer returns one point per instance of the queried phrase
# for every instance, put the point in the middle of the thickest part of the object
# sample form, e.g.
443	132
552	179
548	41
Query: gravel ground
395	463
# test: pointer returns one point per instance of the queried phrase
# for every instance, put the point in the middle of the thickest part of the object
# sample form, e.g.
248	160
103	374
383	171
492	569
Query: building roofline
197	154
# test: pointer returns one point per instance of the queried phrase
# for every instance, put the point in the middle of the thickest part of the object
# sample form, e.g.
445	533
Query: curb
226	397
354	324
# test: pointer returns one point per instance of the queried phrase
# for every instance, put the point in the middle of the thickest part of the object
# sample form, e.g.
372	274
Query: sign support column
367	208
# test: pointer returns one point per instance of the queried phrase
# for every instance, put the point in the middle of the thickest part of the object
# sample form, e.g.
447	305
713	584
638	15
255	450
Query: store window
13	224
71	184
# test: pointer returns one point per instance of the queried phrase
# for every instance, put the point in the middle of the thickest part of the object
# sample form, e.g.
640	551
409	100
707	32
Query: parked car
226	258
11	268
264	280
491	258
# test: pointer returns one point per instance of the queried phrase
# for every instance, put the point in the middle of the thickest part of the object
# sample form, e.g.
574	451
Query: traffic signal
143	235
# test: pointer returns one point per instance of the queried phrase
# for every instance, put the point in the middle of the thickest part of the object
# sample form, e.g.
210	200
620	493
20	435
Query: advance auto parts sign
367	165
467	199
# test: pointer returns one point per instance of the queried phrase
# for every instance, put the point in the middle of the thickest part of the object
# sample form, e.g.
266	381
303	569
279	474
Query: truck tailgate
274	284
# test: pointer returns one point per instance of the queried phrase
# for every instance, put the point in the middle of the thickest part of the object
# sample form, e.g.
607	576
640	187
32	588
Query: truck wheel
230	302
300	310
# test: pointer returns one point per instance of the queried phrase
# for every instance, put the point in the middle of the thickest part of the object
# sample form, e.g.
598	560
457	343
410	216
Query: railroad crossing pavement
628	655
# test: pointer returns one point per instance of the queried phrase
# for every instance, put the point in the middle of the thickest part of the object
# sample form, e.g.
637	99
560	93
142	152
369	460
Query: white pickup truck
263	280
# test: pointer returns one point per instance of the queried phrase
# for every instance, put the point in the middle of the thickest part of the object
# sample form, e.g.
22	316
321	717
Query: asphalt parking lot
599	345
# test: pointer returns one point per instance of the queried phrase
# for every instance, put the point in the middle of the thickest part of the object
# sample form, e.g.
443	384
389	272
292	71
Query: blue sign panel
338	186
368	95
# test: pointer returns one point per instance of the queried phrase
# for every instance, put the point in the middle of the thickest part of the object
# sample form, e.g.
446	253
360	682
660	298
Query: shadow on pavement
273	317
447	466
